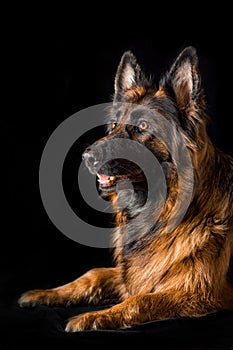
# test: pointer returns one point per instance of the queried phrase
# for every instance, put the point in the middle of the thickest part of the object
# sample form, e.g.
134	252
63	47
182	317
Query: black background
53	72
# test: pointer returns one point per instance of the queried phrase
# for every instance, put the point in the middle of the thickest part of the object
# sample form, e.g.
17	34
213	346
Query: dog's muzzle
92	158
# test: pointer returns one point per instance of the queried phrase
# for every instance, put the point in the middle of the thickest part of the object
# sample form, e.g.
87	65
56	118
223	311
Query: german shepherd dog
160	273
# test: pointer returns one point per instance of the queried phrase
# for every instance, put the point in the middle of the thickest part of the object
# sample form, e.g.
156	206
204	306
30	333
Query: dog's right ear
129	75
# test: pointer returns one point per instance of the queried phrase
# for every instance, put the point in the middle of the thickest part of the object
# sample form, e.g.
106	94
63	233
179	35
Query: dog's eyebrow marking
139	113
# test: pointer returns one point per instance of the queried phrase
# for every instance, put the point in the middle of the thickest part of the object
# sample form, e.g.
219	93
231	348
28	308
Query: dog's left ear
183	80
183	84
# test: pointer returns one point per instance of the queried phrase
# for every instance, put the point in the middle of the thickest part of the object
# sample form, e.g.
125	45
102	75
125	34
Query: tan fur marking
136	93
186	271
160	93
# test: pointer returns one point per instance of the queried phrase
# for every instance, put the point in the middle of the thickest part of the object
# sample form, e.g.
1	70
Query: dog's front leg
139	309
99	285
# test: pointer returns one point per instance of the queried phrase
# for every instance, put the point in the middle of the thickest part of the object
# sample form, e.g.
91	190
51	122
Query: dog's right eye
113	125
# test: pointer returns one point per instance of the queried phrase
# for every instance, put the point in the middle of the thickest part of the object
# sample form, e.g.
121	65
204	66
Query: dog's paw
93	321
36	297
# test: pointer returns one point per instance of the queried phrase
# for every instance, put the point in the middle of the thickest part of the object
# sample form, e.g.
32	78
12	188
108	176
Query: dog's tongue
105	179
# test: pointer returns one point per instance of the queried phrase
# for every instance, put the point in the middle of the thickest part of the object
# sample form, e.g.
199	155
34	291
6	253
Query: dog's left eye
143	126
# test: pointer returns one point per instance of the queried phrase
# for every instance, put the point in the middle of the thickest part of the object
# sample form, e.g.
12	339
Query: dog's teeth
105	179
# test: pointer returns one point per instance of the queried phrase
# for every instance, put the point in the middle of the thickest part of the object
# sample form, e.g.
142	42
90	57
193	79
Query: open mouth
110	181
117	170
106	180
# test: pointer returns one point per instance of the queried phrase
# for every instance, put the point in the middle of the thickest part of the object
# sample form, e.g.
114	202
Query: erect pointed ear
129	75
183	79
183	84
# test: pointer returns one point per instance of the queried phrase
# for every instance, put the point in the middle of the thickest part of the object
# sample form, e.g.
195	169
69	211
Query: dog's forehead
131	112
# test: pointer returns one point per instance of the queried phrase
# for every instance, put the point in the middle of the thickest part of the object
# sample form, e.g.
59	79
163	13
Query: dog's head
141	112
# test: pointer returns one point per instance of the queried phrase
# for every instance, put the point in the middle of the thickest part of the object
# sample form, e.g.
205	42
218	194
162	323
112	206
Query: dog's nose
88	156
91	160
